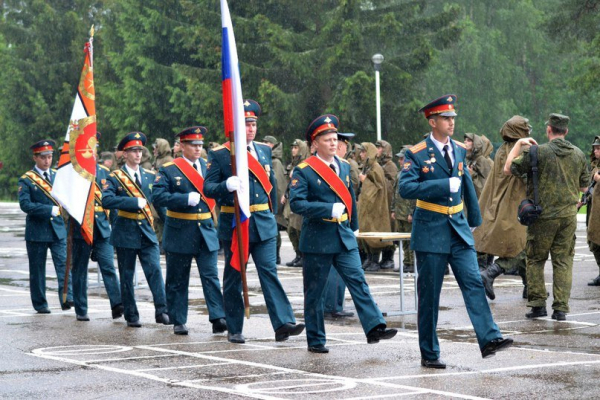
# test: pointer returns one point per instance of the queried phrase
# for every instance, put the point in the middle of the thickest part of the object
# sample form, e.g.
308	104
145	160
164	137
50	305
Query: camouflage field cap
558	121
270	139
402	153
596	141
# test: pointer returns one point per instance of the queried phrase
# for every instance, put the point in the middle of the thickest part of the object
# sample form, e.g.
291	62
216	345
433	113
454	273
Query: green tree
41	55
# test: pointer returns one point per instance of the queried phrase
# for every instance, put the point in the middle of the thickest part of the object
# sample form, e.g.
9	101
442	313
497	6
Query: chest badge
178	179
425	169
318	181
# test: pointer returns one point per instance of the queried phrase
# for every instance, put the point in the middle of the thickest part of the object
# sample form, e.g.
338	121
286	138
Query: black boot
294	261
488	277
387	259
367	261
299	262
523	275
372	264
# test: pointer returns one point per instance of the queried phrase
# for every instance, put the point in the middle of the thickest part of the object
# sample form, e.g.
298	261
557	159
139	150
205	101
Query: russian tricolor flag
235	123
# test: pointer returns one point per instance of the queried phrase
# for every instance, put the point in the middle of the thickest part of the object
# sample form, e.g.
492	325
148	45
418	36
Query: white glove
356	233
233	183
337	210
454	184
55	211
141	202
193	199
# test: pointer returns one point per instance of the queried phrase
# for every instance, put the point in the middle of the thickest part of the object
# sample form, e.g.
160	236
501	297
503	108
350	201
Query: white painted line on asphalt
151	377
130	358
383	396
17	271
492	370
289	370
182	367
238	377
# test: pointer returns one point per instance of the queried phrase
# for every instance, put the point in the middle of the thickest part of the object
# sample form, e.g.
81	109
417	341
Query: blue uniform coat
171	190
429	182
262	223
40	225
127	233
313	199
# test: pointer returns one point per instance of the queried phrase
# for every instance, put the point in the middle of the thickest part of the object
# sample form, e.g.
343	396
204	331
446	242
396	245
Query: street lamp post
377	60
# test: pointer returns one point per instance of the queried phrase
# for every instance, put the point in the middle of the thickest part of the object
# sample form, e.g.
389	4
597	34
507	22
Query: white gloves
454	184
233	183
55	211
356	232
193	199
141	202
337	210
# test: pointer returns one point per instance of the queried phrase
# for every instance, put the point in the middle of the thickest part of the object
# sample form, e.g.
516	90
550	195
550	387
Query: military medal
178	179
425	169
460	168
318	181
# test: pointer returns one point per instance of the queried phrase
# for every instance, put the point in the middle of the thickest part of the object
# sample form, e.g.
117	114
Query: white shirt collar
440	147
198	166
335	163
132	172
41	172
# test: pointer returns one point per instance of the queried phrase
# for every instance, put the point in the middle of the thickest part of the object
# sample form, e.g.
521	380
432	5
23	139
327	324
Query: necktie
333	168
447	157
137	180
46	177
195	166
250	151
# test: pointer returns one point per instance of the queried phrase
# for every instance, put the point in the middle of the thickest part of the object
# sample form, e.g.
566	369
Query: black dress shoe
162	319
219	325
380	333
236	338
559	315
318	349
180	330
340	314
286	330
495	345
44	310
82	317
437	364
537	312
294	261
595	281
134	324
299	262
117	311
65	306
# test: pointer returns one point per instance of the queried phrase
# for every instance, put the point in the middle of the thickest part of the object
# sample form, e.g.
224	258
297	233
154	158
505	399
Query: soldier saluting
189	231
220	185
44	227
128	190
435	174
322	193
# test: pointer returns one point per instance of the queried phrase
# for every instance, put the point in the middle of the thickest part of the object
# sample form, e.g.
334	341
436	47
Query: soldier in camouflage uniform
384	158
300	152
593	211
402	212
563	173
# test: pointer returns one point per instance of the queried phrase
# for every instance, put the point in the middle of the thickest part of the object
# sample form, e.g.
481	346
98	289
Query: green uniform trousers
556	237
406	227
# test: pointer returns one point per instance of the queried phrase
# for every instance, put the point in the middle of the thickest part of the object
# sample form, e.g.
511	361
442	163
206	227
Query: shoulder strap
533	151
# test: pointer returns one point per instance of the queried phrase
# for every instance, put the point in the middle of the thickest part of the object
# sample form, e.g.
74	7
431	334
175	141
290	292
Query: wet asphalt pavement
55	356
